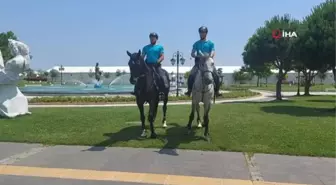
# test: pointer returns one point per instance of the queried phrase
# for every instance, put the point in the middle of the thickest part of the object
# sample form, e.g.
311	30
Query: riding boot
190	84
217	84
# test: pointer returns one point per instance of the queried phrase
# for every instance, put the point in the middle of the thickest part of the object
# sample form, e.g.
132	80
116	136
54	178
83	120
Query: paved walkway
265	96
34	164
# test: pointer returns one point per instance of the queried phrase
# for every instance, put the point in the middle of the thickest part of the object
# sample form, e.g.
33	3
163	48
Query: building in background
85	74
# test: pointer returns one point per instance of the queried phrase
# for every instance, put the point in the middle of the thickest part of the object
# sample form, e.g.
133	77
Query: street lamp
61	69
177	58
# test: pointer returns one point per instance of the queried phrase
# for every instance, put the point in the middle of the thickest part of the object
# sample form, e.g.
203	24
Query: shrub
120	99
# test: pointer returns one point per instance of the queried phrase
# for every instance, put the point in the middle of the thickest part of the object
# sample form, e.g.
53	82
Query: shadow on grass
260	102
125	134
322	101
298	111
175	136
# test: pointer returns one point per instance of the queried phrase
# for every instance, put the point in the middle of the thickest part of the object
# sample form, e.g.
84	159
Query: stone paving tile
9	149
231	165
292	169
190	163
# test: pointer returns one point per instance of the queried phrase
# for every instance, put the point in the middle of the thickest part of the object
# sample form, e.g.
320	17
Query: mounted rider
153	54
203	46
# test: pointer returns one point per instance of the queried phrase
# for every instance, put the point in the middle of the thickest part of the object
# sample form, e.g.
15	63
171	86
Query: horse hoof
207	137
199	125
153	136
143	134
164	124
189	132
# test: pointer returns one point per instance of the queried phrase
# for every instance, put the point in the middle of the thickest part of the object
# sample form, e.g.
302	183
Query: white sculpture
12	102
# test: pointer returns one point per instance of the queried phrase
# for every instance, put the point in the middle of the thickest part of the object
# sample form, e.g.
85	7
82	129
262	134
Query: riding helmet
203	29
153	34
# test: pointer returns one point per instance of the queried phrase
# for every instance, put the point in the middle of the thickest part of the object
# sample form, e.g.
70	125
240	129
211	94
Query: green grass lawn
301	126
284	87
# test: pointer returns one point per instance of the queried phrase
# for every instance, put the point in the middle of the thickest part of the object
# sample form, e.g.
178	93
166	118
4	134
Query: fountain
120	85
12	102
98	84
121	80
75	82
98	73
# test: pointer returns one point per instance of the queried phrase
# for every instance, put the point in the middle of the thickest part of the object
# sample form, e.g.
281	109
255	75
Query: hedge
121	99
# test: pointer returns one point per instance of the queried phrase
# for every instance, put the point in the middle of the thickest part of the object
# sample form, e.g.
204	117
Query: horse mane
146	72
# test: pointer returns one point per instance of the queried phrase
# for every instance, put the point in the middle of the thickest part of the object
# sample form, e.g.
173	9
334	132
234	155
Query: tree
262	49
31	73
324	18
6	54
266	74
53	74
260	71
107	75
118	72
240	76
46	74
322	76
316	46
305	57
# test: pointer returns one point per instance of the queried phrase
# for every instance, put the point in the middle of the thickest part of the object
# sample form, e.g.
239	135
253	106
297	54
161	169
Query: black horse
148	89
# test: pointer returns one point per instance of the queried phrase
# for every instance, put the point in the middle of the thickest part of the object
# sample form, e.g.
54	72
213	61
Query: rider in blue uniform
153	54
206	47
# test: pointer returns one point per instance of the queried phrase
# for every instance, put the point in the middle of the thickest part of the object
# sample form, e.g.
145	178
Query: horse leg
191	116
142	118
152	114
207	107
198	116
164	108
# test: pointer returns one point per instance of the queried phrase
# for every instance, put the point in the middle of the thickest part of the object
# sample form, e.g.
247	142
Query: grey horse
202	91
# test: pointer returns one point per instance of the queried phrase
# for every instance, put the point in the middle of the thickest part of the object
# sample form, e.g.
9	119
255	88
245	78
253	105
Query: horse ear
128	53
139	53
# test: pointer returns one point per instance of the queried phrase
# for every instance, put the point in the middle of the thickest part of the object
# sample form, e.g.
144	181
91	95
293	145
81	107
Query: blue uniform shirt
152	53
203	46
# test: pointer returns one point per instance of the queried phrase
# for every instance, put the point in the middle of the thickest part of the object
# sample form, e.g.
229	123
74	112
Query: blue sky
83	32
